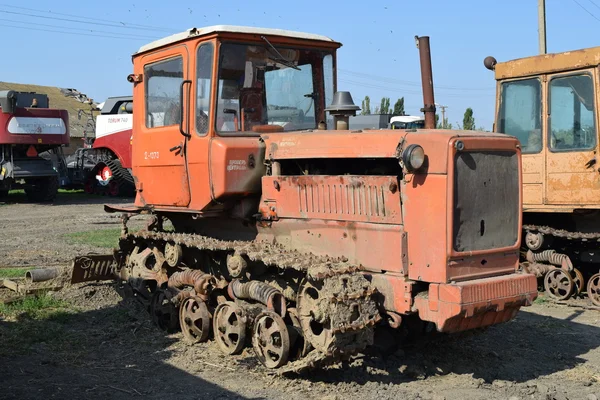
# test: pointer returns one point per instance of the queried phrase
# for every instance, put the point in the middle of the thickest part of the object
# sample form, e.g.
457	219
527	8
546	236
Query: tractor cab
549	103
207	94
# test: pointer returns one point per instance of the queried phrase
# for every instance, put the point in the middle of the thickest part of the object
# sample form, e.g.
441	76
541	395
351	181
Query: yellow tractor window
520	113
571	121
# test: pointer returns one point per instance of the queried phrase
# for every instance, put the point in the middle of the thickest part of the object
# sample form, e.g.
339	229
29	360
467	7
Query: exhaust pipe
427	81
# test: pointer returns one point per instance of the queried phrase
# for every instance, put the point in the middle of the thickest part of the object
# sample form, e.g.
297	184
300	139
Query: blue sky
378	57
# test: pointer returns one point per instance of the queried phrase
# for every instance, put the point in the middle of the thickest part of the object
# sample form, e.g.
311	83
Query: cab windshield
266	88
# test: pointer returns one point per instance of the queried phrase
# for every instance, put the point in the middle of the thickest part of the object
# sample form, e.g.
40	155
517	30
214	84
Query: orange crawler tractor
267	228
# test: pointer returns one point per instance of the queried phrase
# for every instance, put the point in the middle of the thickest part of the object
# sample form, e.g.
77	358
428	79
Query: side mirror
8	101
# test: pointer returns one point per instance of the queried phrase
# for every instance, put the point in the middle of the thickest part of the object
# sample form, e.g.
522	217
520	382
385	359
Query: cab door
159	150
572	157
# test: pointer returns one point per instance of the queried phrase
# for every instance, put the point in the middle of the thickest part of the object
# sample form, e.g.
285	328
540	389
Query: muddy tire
43	190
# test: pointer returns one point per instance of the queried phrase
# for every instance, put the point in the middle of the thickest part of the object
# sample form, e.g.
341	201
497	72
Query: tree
468	120
442	124
384	107
366	106
376	110
399	107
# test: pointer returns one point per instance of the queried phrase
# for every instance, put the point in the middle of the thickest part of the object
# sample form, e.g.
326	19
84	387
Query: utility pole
542	25
443	108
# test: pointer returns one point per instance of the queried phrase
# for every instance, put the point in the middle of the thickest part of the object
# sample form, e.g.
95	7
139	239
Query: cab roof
194	32
548	63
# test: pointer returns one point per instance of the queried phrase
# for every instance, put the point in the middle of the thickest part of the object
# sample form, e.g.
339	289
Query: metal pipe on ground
426	81
41	275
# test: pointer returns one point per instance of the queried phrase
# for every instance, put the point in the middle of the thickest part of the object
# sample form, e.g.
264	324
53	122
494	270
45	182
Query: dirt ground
106	347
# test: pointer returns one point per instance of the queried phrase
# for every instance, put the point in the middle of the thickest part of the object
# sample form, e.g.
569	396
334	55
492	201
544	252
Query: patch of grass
70	191
34	307
541	299
33	321
108	238
7	273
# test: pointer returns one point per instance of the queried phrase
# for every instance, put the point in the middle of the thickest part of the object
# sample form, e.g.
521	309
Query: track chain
561	233
317	268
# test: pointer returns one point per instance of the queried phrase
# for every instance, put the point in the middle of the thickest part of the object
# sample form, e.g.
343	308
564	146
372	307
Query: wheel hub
271	339
593	289
194	320
559	284
229	327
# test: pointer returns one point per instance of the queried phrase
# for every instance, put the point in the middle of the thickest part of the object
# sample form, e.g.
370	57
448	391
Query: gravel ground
109	349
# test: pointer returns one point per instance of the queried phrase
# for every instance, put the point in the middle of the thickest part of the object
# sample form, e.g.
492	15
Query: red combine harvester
28	128
104	166
297	239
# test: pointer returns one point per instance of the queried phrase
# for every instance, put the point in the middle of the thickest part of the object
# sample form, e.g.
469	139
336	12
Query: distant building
66	99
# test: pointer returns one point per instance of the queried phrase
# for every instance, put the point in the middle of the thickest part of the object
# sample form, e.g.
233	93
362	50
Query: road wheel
43	190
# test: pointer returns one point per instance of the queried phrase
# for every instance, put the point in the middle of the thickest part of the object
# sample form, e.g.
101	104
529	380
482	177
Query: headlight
413	157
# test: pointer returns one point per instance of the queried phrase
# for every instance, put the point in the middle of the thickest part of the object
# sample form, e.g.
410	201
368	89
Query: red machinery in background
28	130
104	165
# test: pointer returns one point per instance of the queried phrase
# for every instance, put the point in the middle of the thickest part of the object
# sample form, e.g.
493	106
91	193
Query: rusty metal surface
562	233
426	81
548	63
476	303
349	198
259	291
199	280
552	257
348	333
93	267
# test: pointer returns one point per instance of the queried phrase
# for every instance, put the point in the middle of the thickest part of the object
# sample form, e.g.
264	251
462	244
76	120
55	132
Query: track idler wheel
271	339
559	284
229	327
579	282
173	254
163	312
194	320
593	289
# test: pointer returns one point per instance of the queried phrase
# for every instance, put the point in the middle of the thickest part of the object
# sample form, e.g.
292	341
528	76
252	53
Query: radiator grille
342	199
486	200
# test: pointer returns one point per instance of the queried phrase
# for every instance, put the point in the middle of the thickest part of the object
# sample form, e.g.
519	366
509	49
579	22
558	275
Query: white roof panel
232	29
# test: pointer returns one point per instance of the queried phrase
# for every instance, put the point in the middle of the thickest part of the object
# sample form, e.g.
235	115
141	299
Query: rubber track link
121	175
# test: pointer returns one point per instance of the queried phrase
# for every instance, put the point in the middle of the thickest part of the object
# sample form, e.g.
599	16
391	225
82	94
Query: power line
408	83
124	36
403	90
595	4
72	33
88	18
586	10
123	25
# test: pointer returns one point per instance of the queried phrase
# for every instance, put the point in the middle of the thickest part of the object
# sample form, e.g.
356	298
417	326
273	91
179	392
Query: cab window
572	120
204	64
163	80
520	113
261	86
